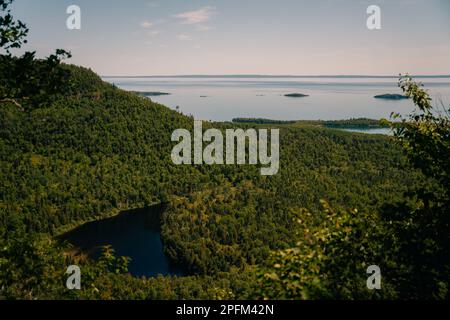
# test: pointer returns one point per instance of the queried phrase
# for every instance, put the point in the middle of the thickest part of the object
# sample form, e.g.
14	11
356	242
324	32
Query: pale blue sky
167	37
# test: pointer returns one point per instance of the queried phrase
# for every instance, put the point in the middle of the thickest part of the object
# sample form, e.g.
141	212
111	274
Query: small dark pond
135	234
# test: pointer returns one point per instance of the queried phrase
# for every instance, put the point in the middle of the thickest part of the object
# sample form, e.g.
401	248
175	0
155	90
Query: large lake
134	233
330	98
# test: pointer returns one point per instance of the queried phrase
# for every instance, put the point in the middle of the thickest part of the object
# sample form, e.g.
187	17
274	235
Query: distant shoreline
244	76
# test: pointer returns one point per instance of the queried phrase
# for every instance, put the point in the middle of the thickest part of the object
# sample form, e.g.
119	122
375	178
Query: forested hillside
85	155
74	148
100	150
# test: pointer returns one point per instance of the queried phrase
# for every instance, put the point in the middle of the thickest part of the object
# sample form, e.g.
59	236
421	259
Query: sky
282	37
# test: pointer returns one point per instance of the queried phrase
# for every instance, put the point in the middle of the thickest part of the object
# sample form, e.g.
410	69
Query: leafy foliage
26	81
12	33
422	229
329	259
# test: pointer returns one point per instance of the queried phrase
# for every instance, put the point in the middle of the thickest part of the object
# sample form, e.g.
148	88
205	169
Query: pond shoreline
133	233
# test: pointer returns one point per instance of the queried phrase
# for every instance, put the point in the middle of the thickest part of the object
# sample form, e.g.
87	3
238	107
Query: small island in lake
391	96
296	95
352	123
355	123
150	93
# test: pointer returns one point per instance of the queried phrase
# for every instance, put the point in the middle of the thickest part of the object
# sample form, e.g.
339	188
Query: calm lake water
331	98
385	131
135	234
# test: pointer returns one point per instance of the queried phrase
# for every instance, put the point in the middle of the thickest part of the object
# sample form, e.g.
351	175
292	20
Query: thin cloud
147	24
197	16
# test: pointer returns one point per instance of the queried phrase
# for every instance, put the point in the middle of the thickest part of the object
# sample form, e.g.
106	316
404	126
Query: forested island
390	96
296	95
358	123
151	93
75	148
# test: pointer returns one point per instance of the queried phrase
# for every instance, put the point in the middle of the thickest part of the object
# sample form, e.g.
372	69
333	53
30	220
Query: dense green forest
76	148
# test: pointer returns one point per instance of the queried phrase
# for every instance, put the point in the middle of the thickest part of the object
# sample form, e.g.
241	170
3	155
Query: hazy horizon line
273	76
